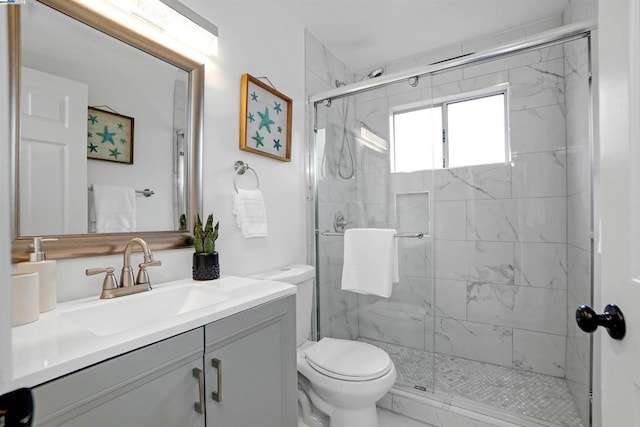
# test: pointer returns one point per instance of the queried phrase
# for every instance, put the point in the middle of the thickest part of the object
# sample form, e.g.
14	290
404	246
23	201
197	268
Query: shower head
375	73
372	75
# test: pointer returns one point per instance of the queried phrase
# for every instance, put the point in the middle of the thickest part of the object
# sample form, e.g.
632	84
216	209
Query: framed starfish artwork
265	120
109	136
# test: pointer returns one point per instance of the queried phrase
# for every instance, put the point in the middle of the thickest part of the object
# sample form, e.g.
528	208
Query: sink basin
108	317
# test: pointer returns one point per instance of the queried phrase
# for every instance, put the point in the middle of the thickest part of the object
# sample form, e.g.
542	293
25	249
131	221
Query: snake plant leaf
205	239
208	229
197	225
198	240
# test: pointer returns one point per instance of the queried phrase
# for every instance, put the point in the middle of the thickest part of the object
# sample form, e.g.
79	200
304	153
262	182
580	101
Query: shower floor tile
535	395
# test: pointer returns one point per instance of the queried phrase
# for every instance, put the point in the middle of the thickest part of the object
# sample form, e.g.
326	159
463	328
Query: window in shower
470	129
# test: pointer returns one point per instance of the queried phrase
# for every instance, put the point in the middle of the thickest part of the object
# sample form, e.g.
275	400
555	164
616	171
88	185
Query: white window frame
500	89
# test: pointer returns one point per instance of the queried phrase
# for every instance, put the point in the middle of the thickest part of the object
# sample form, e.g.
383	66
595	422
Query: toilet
339	381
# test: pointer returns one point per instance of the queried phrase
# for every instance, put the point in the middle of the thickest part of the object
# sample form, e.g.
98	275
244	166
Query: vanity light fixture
167	21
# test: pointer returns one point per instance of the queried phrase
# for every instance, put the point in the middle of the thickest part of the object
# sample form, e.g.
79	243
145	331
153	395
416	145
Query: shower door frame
548	38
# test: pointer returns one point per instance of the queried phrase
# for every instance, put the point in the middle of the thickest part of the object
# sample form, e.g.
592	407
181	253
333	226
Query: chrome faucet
110	287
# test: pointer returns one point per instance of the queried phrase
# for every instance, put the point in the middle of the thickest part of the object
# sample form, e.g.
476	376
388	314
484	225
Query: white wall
266	42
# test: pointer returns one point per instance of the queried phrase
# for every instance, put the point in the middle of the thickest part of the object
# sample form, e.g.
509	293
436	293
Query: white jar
25	298
47	278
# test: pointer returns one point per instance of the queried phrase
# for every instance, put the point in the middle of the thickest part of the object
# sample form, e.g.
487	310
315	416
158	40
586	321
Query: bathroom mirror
174	151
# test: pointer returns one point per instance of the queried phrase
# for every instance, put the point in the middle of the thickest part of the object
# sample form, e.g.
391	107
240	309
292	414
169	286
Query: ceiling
367	33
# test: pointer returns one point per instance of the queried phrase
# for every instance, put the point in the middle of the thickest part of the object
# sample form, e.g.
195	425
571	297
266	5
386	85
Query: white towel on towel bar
370	261
115	208
234	210
251	215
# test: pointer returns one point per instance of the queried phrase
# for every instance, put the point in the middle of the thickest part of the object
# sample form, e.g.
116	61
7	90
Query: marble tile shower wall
578	220
578	205
499	232
338	310
502	265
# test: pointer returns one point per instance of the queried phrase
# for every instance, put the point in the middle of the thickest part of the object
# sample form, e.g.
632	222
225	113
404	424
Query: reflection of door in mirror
125	80
53	167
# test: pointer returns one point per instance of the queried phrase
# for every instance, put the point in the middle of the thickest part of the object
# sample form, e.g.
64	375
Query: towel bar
418	235
146	192
241	167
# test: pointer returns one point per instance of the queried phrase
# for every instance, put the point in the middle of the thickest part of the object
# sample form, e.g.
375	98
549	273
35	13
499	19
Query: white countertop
54	345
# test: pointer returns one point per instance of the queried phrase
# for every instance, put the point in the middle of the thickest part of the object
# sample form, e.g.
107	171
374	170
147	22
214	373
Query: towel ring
241	167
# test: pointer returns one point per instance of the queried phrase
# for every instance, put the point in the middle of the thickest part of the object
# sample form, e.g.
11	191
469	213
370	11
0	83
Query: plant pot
205	266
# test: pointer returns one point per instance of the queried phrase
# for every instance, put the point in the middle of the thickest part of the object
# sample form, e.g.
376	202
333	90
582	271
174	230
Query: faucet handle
110	281
143	276
154	263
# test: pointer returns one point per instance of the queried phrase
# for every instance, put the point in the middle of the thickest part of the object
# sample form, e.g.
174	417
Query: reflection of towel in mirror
91	211
251	215
115	208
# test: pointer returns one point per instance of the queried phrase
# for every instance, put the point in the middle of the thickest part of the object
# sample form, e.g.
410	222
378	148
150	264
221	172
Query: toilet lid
348	360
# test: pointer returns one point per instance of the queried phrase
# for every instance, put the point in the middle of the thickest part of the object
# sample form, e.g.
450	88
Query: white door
617	382
53	155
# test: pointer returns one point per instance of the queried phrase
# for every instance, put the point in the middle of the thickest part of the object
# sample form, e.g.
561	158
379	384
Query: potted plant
206	264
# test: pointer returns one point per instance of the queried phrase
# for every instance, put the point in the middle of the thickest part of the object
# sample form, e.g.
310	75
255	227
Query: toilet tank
301	276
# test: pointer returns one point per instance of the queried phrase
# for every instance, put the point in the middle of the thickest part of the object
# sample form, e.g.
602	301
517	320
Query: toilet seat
348	360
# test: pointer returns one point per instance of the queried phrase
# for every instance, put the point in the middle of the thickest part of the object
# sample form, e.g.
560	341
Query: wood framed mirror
74	243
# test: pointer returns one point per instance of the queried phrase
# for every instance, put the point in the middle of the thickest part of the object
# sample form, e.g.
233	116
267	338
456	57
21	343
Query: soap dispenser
47	274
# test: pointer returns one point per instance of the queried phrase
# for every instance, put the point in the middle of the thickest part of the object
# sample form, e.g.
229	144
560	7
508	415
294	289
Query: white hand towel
115	208
370	261
251	215
234	210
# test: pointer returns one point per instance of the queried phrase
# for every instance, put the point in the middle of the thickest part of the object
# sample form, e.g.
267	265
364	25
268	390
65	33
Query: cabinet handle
200	406
217	395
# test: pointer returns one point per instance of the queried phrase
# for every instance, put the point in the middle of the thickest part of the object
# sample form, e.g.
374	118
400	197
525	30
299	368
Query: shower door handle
612	319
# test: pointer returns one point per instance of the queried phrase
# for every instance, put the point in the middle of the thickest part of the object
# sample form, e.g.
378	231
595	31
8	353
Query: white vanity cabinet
159	386
151	386
250	367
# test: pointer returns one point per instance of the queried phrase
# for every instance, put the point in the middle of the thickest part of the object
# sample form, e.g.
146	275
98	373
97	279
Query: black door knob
612	319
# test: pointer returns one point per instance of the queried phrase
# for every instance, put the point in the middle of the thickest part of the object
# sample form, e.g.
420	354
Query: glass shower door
356	181
482	316
513	247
